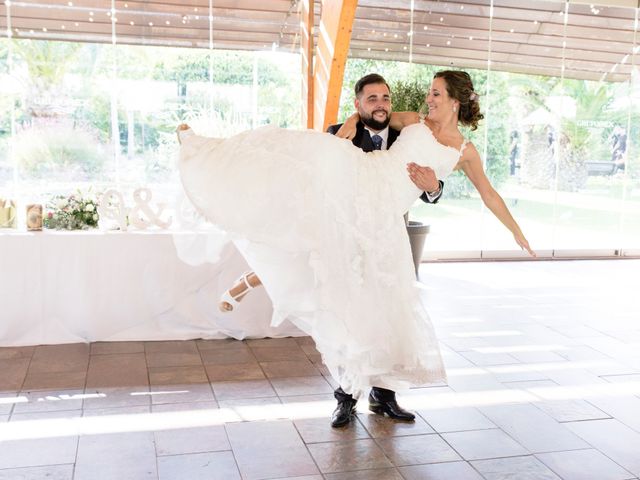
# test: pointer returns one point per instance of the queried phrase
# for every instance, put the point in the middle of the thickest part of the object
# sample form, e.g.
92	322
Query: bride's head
452	93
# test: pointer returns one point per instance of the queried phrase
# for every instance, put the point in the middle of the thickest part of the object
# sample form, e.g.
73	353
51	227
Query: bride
323	228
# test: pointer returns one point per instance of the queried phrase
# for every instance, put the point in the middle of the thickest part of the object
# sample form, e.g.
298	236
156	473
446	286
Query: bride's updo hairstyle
460	87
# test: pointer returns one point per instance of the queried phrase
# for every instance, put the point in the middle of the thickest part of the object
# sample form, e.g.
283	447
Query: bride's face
439	102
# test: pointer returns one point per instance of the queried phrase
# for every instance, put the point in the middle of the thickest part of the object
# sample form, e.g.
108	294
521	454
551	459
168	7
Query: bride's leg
236	293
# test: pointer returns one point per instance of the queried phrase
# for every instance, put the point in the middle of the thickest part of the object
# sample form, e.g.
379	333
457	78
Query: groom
373	104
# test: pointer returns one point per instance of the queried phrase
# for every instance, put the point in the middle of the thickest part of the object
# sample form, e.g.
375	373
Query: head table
87	286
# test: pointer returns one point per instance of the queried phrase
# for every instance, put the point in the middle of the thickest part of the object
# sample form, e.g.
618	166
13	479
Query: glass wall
93	92
90	95
558	85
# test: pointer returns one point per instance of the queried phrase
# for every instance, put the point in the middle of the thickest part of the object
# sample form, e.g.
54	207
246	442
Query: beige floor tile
234	371
117	371
12	373
305	340
106	348
613	439
50	472
533	429
54	381
177	375
309	348
51	400
38	452
456	419
583	465
304	477
382	426
11	353
417	449
440	471
198	466
348	456
191	440
298	368
254	404
481	444
625	408
170	359
379	474
514	467
227	356
120	455
184	407
8	400
276	354
316	430
243	389
272	342
171	346
56	414
181	393
489	359
117	411
71	357
301	386
116	397
571	410
260	459
223	343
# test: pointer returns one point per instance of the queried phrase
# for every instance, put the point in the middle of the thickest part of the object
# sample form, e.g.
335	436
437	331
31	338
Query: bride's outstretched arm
472	167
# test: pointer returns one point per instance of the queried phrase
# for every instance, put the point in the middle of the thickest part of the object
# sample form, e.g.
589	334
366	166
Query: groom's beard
372	123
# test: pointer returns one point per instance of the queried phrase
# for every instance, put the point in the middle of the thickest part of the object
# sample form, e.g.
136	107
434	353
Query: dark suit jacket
363	140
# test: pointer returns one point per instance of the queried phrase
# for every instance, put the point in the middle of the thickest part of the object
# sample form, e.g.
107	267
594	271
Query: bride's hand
524	244
348	128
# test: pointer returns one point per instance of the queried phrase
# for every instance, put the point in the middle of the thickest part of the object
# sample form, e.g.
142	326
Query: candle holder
34	217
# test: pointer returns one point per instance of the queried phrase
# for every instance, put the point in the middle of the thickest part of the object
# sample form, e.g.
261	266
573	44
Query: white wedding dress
322	226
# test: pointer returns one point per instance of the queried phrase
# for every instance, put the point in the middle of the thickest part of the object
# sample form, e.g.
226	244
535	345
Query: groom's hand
423	177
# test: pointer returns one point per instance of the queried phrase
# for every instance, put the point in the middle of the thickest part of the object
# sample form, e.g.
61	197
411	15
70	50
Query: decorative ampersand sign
112	207
142	215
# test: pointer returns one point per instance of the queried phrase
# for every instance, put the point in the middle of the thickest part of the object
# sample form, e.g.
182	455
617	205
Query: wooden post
306	46
336	23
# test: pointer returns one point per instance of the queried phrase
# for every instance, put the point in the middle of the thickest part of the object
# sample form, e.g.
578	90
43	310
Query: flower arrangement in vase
72	212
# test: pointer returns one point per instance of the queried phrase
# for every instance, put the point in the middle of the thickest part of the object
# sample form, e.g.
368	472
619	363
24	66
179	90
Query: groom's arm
425	179
432	197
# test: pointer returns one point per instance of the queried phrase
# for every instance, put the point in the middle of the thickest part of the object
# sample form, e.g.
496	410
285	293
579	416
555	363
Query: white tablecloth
62	287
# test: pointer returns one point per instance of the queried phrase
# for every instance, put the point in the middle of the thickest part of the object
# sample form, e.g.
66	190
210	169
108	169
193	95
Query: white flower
61	203
95	217
89	207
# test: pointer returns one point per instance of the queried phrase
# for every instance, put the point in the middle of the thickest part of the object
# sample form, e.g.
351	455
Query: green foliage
47	61
407	96
59	151
235	68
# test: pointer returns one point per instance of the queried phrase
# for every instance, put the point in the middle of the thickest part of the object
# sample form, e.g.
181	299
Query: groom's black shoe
345	410
383	401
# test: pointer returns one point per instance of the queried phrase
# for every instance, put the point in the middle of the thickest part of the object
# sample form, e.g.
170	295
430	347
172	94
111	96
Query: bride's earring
455	109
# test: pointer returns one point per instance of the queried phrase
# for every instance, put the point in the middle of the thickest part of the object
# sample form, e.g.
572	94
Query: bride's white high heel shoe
227	300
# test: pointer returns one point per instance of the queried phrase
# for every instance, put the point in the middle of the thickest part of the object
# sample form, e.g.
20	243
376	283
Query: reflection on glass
99	114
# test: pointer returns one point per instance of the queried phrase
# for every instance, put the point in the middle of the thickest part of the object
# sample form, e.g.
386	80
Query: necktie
377	142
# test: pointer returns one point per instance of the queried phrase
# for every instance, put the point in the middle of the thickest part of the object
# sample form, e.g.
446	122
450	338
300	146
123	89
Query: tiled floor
543	361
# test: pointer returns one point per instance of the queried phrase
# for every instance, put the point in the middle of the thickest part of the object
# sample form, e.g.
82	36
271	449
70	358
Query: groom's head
373	101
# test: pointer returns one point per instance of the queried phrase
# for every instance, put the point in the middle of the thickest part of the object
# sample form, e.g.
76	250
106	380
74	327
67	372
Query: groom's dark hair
368	80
